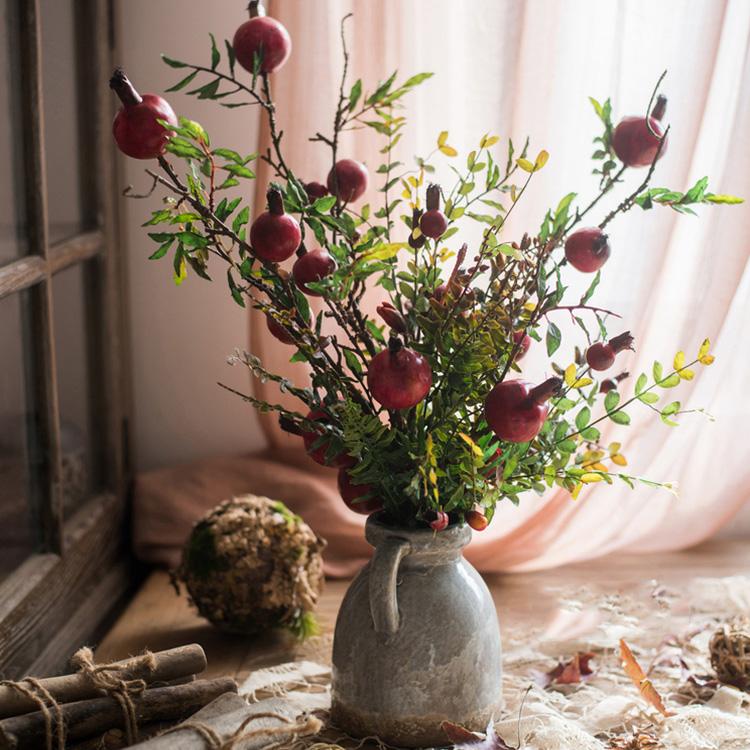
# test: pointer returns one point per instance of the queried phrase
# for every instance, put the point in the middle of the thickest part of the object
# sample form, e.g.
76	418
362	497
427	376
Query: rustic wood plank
75	250
21	274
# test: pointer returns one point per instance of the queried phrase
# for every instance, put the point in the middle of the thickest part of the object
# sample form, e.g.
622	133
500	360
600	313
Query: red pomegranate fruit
515	410
399	377
278	331
348	180
315	190
635	143
601	356
274	235
391	316
261	36
433	222
313	266
478	521
357	497
440	522
587	249
523	341
136	129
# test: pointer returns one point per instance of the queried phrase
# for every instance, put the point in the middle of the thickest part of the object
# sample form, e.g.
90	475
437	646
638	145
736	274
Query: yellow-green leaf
541	159
448	151
488	141
591	478
687	374
679	360
526	165
581	383
576	491
570	374
708	359
382	252
442	138
705	347
476	450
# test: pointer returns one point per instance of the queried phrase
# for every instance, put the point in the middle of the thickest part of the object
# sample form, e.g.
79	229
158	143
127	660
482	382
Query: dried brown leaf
646	688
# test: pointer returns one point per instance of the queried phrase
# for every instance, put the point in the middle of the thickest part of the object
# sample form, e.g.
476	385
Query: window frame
63	594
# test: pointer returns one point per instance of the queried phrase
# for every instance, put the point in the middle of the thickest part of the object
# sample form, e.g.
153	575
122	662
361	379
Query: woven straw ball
251	564
730	653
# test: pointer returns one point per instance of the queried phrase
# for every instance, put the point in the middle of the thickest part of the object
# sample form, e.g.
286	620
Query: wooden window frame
62	595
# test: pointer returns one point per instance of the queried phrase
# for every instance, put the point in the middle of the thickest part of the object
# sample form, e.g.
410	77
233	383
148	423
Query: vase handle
383	578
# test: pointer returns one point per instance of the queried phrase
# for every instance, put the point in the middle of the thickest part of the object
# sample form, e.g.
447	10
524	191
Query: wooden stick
170	665
89	718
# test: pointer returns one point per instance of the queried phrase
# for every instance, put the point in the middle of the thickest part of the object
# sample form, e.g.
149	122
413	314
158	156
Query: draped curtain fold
514	68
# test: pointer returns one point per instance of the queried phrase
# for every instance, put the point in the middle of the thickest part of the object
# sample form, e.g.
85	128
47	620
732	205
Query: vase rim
454	537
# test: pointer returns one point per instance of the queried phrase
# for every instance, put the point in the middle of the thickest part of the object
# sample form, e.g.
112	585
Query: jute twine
104	677
35	691
308	725
730	653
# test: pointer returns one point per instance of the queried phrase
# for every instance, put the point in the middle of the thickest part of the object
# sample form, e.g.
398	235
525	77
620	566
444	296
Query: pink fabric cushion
169	501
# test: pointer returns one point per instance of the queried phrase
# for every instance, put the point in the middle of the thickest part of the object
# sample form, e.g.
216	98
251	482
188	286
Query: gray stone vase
417	640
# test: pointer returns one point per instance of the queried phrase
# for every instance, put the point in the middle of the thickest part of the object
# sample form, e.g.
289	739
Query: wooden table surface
157	618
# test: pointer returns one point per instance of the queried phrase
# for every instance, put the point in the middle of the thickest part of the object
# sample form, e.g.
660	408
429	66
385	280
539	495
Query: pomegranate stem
122	86
275	202
544	391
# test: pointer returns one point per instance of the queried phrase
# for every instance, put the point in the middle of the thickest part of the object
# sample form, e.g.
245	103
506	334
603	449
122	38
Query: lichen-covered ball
251	564
730	653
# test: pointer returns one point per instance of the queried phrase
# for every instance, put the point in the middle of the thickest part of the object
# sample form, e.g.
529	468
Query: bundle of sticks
57	711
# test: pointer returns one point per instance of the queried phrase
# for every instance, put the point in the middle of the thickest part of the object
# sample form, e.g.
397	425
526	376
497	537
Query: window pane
19	456
12	230
72	322
64	120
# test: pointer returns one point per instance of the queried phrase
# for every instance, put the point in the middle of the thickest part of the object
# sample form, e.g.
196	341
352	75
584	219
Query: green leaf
553	338
173	63
591	433
184	149
611	400
234	289
215	56
649	398
231	56
619	417
184	82
161	236
671	382
239	171
641	383
672	408
696	193
325	204
242	218
592	287
162	250
229	154
583	417
353	361
355	94
658	371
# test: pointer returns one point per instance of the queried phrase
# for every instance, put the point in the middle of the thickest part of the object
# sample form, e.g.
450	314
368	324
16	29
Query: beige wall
181	336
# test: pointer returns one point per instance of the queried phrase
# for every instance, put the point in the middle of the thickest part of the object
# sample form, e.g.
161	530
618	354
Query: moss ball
730	653
251	564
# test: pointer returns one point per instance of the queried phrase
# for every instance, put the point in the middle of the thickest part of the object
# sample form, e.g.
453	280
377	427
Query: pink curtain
515	68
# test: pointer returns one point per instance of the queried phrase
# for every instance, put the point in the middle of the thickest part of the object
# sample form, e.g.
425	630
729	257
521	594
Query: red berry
587	249
523	341
355	496
313	266
633	141
278	331
601	356
391	316
264	36
136	129
515	411
433	224
315	190
274	235
478	521
441	521
348	180
399	377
